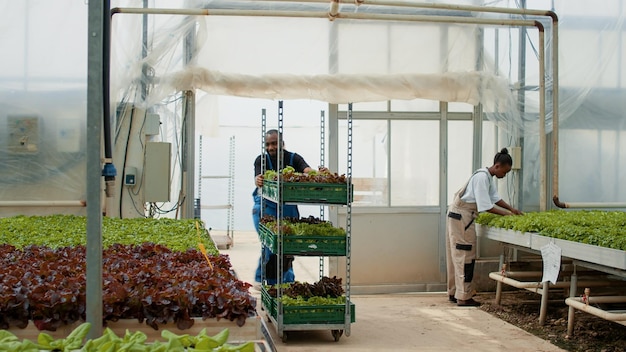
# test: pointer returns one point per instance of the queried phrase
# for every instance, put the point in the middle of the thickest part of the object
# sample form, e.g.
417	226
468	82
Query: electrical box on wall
156	173
130	176
23	134
152	124
516	155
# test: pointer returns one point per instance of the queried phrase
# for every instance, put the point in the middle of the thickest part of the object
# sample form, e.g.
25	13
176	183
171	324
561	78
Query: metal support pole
499	283
570	311
95	114
348	220
543	311
322	163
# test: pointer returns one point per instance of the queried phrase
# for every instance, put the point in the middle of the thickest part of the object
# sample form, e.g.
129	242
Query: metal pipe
570	310
543	203
499	283
538	285
312	14
577	303
560	204
602	299
334	10
543	310
43	203
108	171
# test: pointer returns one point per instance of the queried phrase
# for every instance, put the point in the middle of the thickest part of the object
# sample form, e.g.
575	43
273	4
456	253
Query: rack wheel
284	337
337	334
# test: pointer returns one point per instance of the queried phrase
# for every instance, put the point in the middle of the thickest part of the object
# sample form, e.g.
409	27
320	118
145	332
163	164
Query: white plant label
551	255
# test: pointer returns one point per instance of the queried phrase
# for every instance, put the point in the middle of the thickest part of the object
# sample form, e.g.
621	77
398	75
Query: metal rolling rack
228	239
339	317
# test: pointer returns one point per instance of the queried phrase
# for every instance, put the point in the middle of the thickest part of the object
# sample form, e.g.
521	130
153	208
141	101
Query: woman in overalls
478	195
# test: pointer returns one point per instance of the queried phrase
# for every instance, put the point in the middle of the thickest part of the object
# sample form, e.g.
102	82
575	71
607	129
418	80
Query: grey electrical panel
23	134
157	172
152	124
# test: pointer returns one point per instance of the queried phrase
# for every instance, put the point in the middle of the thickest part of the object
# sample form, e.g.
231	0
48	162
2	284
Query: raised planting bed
597	228
503	235
593	236
306	236
69	230
151	284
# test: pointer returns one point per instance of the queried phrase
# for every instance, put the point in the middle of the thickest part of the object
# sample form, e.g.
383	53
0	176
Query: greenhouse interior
449	175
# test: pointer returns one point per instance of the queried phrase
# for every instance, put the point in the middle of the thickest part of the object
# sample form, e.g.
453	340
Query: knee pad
469	271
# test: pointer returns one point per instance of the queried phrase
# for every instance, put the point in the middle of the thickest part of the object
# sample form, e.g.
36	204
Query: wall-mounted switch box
516	155
152	124
130	176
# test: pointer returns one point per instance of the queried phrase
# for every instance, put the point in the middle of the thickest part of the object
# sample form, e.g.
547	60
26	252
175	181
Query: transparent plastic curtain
364	60
45	76
43	91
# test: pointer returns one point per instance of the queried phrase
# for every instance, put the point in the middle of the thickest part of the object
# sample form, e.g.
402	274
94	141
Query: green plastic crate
328	314
304	192
304	245
332	314
269	303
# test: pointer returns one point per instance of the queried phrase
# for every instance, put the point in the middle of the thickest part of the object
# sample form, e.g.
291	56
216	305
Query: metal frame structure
230	195
96	90
336	329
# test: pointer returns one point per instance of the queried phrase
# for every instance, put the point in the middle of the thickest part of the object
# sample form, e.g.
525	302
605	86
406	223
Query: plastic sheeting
471	87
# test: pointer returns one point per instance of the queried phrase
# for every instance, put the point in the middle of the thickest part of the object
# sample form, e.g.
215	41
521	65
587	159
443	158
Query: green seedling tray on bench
308	192
314	314
304	245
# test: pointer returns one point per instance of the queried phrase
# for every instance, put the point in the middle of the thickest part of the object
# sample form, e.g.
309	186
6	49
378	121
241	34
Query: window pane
414	163
460	107
369	160
490	143
415	105
366	106
460	139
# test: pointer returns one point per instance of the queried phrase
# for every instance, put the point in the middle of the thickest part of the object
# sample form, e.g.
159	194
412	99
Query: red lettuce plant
147	282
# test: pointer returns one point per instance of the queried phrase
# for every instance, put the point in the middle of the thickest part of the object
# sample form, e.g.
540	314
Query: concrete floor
390	322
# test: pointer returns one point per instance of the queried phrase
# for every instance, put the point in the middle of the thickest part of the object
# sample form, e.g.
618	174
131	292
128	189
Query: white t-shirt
481	190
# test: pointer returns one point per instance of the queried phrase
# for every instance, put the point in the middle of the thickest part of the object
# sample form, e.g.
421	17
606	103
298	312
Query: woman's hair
503	158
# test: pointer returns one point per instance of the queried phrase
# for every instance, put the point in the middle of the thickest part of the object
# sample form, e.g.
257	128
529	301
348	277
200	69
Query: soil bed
591	333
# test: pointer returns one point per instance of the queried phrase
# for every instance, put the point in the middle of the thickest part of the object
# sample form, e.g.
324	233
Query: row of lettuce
594	227
57	231
155	271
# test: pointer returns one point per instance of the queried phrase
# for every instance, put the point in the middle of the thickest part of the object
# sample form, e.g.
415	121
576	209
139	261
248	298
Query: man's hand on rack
258	180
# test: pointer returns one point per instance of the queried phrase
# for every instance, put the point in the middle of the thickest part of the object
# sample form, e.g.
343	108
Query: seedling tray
304	245
326	314
305	192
